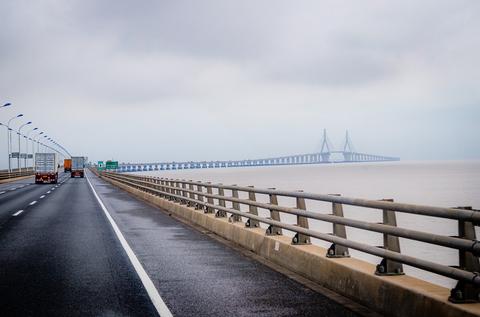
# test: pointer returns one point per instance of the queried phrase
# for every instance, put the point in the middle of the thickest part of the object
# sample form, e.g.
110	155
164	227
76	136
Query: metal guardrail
5	174
200	195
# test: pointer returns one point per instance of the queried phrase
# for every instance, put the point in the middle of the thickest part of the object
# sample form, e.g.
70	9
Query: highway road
86	248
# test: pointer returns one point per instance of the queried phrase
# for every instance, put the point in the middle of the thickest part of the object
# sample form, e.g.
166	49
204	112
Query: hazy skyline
201	80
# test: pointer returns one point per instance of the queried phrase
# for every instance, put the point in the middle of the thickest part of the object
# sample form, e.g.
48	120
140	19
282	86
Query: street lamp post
9	140
3	125
26	141
44	146
33	145
19	143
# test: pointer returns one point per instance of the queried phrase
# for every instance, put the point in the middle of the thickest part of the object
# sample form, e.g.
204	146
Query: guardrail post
199	196
192	195
184	193
173	190
170	190
221	202
251	223
335	250
301	222
178	191
236	206
150	185
466	292
162	187
391	243
274	215
209	210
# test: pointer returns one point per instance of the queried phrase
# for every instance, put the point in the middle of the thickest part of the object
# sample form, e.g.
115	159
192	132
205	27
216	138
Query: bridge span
327	154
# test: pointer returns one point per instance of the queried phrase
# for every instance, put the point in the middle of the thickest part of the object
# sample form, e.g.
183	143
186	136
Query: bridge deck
61	257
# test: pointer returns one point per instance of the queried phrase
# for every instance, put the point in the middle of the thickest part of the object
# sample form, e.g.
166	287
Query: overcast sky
194	80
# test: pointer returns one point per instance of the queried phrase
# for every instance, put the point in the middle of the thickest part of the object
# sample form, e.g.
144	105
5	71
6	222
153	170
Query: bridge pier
325	157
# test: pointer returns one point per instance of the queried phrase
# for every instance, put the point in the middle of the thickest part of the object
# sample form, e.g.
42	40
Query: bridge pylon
325	150
348	148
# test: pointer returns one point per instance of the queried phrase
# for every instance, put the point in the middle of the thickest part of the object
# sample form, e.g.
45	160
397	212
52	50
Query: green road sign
100	166
111	165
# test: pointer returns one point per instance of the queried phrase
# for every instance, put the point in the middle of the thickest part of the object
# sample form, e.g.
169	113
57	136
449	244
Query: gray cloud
262	76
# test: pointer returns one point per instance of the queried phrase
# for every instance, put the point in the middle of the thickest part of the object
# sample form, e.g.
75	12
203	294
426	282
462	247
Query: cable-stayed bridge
327	154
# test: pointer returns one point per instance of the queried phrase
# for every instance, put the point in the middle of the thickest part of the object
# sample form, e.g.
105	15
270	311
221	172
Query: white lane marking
53	188
32	203
17	213
13	188
157	301
2	192
43	196
49	192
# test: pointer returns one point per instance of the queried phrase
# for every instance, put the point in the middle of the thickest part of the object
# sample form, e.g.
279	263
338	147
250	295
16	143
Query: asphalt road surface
61	255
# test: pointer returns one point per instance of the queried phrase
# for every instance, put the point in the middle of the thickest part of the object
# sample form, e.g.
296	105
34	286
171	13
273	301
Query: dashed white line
157	301
17	213
43	196
32	203
13	188
2	192
49	192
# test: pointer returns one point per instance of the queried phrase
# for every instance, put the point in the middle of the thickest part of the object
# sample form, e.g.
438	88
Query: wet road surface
199	276
60	256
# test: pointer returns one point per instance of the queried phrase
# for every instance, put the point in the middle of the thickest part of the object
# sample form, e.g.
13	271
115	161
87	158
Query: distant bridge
326	155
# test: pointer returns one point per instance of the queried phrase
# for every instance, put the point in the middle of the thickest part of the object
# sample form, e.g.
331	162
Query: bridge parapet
222	205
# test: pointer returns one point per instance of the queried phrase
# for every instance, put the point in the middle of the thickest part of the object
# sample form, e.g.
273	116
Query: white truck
78	166
46	168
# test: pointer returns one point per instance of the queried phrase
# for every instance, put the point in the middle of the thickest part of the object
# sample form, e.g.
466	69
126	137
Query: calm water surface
438	183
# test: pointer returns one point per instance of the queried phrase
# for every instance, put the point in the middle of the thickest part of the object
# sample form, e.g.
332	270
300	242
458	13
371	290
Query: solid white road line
43	196
17	213
32	203
157	301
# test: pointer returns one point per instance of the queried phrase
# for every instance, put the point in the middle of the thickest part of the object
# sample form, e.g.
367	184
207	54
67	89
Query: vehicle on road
78	166
67	165
46	168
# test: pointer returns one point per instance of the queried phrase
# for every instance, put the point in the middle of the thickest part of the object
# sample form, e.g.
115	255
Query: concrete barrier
352	278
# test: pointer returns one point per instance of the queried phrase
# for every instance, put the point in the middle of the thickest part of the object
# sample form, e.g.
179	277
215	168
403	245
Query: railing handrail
13	174
442	212
450	242
456	273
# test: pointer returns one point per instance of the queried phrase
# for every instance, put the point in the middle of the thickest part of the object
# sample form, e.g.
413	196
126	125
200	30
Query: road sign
100	166
111	165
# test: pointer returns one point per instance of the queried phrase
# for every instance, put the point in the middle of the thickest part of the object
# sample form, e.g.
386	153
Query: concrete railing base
9	180
349	277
